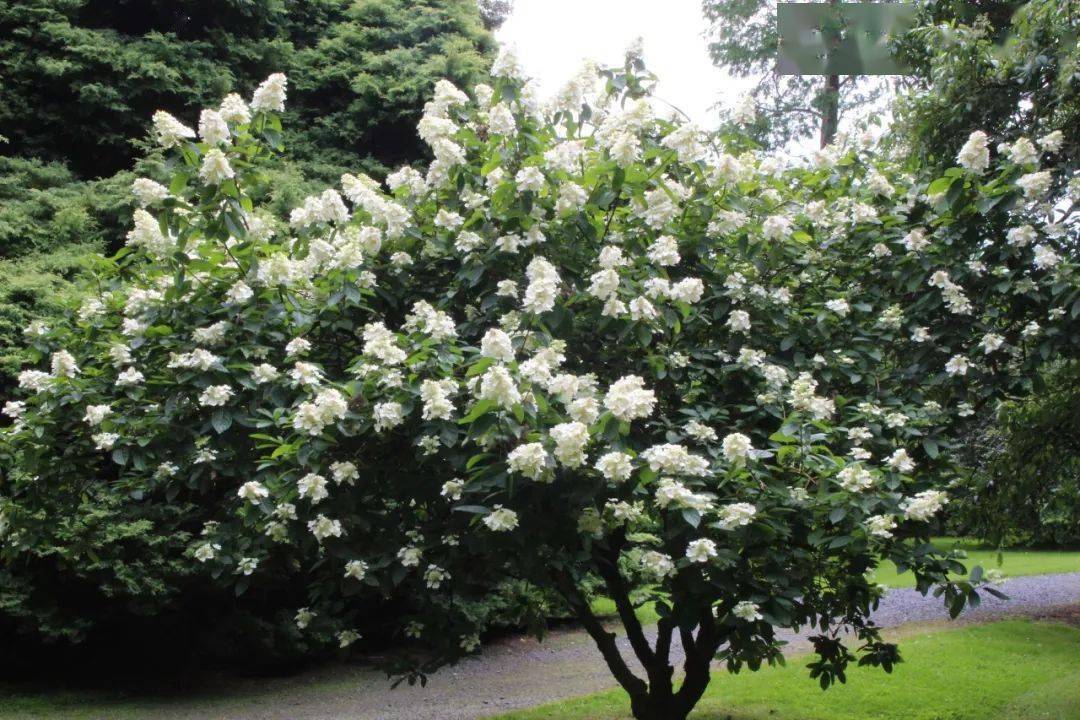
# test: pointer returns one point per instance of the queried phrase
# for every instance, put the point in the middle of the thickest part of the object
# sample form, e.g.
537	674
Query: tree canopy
81	77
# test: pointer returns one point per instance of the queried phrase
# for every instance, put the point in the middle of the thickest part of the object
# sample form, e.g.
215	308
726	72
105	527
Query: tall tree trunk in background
830	114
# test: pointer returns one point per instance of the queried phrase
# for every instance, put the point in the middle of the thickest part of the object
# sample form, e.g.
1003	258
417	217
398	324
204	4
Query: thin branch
616	586
665	628
605	641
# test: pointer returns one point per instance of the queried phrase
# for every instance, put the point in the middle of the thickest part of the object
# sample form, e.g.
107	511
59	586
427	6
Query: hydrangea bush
587	342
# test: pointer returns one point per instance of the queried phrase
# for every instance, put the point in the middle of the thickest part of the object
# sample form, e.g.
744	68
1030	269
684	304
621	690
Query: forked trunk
653	697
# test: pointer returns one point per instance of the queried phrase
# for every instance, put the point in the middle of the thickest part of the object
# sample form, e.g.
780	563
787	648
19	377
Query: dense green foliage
1011	69
42	287
43	207
1023	485
360	72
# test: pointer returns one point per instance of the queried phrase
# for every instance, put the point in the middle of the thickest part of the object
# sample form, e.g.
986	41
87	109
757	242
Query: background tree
81	78
495	12
1007	68
743	40
1011	70
1023	480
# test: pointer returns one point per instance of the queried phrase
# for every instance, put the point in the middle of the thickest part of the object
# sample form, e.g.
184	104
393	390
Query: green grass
1015	670
1014	563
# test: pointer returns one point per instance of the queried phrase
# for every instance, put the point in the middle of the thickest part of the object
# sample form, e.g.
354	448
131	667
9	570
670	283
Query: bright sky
553	37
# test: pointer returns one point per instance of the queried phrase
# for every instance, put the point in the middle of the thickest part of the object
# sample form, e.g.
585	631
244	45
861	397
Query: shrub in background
1023	485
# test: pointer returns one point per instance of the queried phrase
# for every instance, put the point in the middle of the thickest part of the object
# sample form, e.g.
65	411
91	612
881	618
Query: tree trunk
652	698
830	113
647	708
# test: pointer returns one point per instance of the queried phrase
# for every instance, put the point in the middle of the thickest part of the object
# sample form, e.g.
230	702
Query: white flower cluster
313	416
923	506
672	459
628	399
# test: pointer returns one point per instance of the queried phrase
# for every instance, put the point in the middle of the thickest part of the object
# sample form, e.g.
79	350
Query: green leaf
940	185
221	420
475	459
644	335
479	367
930	446
179	182
474	509
479	409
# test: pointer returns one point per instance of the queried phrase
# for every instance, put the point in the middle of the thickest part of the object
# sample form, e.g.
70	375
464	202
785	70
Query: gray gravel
519	672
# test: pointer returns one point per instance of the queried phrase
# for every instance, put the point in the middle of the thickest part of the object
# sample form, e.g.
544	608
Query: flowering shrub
588	342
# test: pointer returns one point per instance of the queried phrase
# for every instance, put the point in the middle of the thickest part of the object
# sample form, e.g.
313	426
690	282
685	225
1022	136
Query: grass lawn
1014	670
1014	563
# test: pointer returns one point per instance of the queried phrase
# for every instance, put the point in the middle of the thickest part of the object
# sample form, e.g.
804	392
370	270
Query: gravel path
519	672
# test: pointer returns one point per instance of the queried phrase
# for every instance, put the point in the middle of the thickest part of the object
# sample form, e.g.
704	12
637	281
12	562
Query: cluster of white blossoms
499	386
701	550
437	398
530	460
855	478
628	399
701	432
615	466
381	344
924	505
880	525
253	491
673	459
312	416
543	286
323	527
670	492
804	397
736	515
571	440
901	461
737	447
748	611
975	154
657	565
501	519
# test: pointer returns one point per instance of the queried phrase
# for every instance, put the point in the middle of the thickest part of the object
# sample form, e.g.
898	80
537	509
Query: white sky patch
554	37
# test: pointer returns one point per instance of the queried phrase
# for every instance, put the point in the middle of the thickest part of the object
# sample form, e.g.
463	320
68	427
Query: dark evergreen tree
82	77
